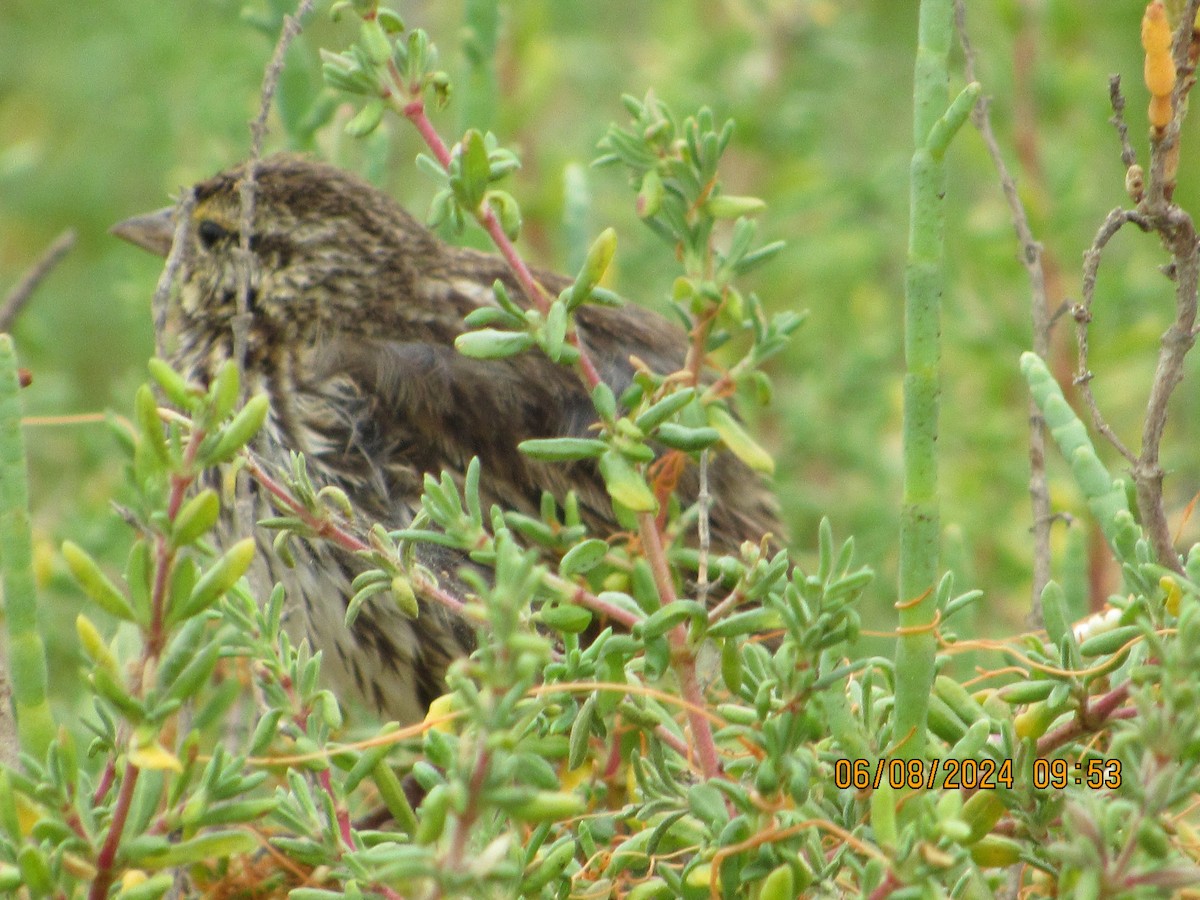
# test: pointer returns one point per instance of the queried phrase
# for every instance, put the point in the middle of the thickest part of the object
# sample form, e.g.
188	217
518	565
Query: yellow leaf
740	444
154	756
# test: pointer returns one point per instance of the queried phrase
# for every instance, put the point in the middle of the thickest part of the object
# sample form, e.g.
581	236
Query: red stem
330	530
108	853
414	111
340	811
682	658
462	828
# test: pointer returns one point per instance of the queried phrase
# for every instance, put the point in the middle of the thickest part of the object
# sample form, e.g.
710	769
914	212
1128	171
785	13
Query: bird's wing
394	411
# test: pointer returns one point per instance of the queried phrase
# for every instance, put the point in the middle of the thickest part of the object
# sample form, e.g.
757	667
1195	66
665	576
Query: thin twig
1117	100
247	187
1031	258
160	304
248	195
1082	313
23	290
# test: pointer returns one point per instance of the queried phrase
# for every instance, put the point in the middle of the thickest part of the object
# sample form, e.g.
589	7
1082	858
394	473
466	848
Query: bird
354	307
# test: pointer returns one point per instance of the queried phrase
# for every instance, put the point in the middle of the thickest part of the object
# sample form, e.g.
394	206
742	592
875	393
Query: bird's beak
152	231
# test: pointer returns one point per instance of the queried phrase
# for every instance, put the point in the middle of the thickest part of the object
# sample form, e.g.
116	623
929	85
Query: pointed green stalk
26	652
1105	495
934	124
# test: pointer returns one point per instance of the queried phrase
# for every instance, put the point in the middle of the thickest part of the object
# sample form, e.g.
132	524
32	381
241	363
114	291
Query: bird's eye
210	233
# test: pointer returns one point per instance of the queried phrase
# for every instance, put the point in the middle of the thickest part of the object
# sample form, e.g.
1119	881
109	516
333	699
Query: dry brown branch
23	290
1157	213
1117	99
1082	313
1030	256
258	134
159	305
247	193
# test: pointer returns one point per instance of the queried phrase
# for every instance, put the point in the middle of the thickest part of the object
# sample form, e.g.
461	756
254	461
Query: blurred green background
107	109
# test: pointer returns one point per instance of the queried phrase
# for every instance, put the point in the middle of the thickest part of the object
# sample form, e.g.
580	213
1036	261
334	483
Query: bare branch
1031	258
1117	99
23	290
1082	313
175	258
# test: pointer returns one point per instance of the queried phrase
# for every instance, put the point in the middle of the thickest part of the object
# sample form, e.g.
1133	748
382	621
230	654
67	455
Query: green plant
670	752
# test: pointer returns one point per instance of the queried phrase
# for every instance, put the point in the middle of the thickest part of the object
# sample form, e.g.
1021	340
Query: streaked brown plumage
355	307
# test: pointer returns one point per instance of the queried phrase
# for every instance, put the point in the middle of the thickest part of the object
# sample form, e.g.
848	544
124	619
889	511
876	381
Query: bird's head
328	254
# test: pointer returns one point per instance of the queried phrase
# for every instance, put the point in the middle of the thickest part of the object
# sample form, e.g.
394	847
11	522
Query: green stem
924	279
26	651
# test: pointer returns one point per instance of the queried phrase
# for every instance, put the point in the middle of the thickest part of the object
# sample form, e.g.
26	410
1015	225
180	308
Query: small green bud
405	597
375	42
650	195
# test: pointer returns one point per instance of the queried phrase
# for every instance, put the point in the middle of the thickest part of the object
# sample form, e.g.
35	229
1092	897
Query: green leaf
583	557
220	577
671	615
95	583
566	618
599	256
740	443
150	425
680	437
662	410
563	449
205	848
374	41
727	206
241	430
624	484
173	384
366	119
488	343
508	212
93	645
474	171
195	518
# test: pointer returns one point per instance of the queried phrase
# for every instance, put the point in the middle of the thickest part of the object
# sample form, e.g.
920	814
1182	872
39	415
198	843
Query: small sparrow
354	309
